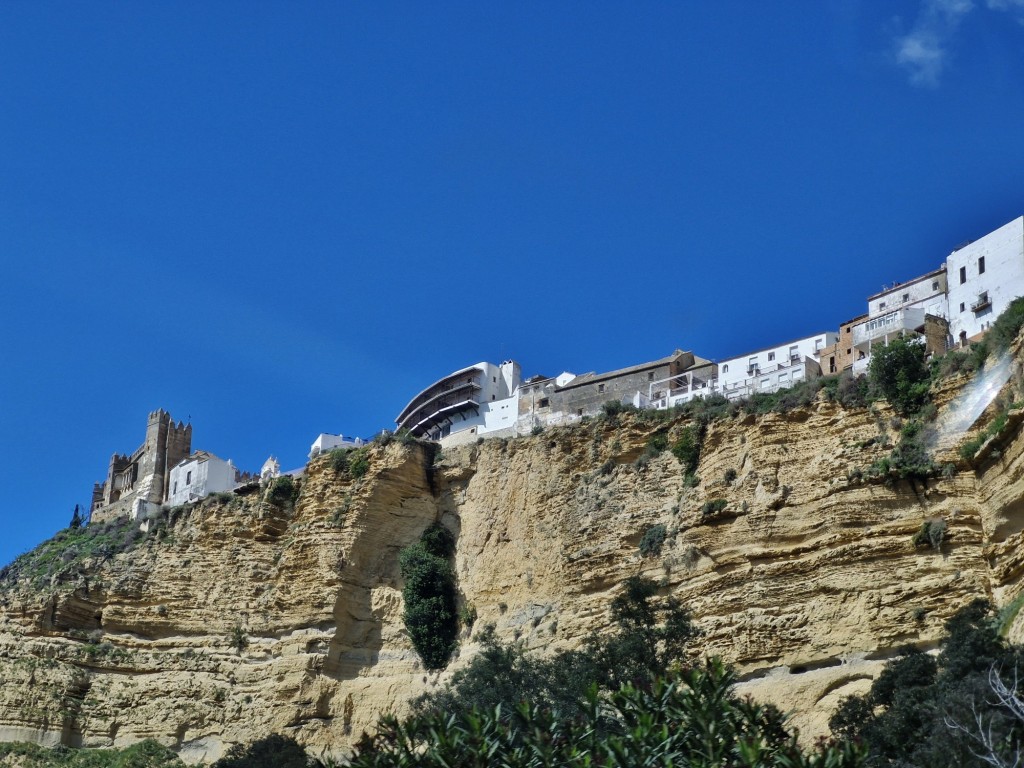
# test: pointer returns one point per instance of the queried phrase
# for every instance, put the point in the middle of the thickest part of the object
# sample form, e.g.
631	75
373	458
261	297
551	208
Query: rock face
241	617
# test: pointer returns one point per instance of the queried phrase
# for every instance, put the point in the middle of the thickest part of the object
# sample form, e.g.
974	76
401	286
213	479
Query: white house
901	310
199	475
773	368
328	442
984	277
479	399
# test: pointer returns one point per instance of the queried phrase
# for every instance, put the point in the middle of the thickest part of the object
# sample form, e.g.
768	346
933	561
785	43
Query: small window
188	479
600	388
725	369
175	487
494	397
494	379
650	376
881	305
906	297
935	285
963	275
961	306
848	351
543	402
771	356
981	265
579	411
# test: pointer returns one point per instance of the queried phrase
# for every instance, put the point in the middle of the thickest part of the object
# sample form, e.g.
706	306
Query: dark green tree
275	751
430	596
76	519
898	372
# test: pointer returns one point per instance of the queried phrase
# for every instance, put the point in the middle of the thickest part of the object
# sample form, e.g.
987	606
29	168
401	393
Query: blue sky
278	219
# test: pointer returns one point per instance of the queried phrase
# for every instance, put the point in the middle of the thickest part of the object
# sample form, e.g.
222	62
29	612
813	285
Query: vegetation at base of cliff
145	754
430	596
64	557
961	709
687	718
649	636
621	700
274	751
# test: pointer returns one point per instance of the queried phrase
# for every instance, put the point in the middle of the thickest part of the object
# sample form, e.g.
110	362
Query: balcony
892	324
983	302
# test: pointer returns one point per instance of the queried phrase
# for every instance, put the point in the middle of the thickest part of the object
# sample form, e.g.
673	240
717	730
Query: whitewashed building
328	442
773	368
984	277
901	310
199	475
480	399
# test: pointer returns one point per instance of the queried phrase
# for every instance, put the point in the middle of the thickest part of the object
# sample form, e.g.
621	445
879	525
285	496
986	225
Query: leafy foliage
274	751
430	596
909	716
145	754
690	718
648	639
66	555
899	373
932	534
651	541
687	447
283	491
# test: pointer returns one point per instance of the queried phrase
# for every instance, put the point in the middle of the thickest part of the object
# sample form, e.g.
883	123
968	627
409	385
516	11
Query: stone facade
136	483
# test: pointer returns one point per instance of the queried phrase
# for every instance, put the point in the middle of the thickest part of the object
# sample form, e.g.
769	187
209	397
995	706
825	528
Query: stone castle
138	483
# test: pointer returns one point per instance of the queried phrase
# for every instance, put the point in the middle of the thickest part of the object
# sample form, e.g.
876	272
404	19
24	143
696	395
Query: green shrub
537	429
283	491
730	475
1006	327
687	447
274	751
238	638
898	372
932	534
652	540
713	506
359	462
430	596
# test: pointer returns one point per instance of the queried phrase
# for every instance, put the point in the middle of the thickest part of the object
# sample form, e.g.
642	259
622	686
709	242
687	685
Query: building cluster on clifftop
952	305
949	306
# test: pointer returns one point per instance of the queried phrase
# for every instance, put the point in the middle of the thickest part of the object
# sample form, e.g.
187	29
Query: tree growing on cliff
430	597
898	372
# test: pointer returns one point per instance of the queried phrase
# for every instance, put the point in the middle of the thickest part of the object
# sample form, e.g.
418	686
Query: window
771	356
188	479
175	487
881	305
961	306
935	285
543	402
981	265
725	368
600	388
579	411
963	275
494	379
794	352
906	297
848	350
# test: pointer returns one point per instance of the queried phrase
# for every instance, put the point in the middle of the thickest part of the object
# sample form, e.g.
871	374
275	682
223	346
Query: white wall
208	475
326	442
733	372
927	292
1002	280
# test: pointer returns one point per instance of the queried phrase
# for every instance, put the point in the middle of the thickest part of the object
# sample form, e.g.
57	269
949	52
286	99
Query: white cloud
924	51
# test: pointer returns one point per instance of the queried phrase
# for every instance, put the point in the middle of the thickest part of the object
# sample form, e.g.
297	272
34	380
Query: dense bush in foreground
687	719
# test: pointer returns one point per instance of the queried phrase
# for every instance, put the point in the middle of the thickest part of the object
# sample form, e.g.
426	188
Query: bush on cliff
898	372
430	597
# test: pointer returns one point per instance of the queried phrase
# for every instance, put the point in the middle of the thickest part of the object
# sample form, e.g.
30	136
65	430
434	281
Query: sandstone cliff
235	618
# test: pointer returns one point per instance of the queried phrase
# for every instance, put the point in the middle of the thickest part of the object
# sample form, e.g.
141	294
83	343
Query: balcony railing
909	319
983	302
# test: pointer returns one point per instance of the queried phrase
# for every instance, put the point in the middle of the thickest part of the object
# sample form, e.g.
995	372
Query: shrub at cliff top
898	372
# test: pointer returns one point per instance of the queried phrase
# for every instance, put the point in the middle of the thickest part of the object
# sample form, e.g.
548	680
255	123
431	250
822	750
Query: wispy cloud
924	51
